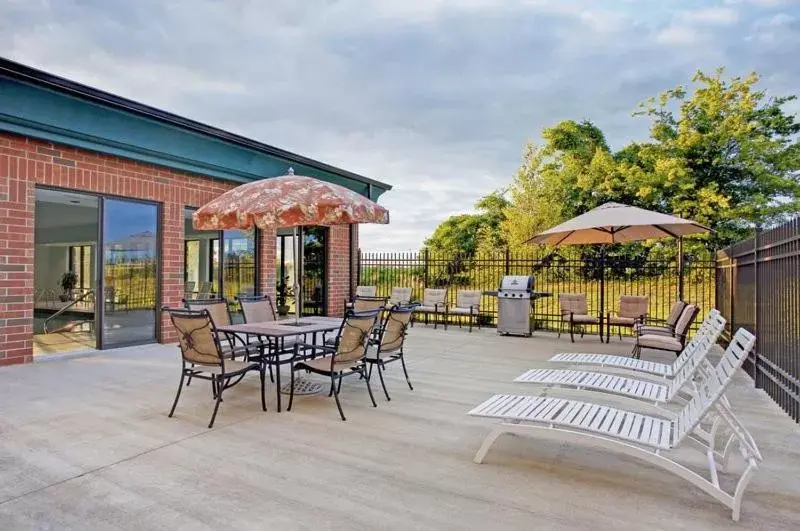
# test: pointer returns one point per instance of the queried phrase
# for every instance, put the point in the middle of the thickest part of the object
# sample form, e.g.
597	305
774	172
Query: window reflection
129	271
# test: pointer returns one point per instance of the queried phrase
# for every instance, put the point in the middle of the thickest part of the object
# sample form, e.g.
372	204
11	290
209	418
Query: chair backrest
217	309
204	290
687	318
366	291
368	304
400	296
393	331
433	296
697	349
711	389
713	324
675	313
196	337
466	298
354	335
573	302
633	306
257	309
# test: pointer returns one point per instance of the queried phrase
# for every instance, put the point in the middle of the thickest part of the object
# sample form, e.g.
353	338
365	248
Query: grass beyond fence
656	279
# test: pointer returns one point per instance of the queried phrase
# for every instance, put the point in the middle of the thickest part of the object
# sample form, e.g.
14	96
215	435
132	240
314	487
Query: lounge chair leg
571	332
263	373
271	376
339	387
619	331
336	397
403	364
178	394
219	387
487	443
291	388
383	384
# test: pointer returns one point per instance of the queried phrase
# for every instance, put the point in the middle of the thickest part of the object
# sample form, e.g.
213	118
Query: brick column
17	200
339	260
172	219
266	271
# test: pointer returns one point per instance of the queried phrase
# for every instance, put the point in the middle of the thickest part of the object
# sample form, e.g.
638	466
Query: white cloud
712	15
677	35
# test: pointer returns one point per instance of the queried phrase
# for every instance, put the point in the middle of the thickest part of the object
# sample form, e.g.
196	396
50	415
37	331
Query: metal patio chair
468	304
669	323
575	313
632	311
389	346
400	297
202	357
204	290
673	343
361	292
343	359
434	301
188	290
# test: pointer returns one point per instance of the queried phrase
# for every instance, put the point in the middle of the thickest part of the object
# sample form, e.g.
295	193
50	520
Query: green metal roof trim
41	105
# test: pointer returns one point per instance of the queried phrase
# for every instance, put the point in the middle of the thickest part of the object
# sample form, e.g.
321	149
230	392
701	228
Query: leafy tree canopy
725	155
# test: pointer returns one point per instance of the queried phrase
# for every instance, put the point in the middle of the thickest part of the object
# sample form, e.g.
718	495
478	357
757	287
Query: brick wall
26	162
339	263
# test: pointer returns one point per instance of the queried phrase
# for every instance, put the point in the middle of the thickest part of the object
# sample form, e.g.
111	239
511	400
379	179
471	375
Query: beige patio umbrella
618	223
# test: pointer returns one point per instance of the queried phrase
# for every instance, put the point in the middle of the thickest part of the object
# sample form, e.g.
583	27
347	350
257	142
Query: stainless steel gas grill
514	299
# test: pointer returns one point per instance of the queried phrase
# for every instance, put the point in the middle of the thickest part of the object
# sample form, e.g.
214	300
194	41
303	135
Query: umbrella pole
602	288
680	268
298	270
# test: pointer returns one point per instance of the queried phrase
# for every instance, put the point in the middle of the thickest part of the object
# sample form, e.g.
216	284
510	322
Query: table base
302	386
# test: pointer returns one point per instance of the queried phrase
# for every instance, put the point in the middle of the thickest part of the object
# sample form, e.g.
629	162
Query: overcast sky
436	97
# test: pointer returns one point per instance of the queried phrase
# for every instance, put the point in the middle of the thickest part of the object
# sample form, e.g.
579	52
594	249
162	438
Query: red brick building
100	189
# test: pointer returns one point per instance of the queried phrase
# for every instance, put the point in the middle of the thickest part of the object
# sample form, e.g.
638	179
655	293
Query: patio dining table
277	332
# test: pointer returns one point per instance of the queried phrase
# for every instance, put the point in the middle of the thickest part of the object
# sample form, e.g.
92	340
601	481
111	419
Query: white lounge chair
646	437
639	366
637	388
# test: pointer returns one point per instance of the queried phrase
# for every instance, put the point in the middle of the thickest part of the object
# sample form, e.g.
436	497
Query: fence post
508	261
756	372
425	262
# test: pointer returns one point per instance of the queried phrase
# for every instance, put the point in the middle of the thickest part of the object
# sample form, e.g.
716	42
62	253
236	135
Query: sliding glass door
130	273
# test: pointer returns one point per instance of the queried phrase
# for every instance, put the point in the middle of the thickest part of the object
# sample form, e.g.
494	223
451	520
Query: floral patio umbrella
288	201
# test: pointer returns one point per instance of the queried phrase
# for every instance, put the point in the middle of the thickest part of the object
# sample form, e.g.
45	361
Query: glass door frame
101	277
99	261
300	298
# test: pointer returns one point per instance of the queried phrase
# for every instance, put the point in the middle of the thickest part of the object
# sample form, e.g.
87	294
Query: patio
87	444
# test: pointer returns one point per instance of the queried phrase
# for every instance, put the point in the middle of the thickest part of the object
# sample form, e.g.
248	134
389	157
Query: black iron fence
758	287
553	273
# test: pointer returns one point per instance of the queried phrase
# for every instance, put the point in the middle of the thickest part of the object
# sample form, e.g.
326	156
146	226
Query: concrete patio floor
87	444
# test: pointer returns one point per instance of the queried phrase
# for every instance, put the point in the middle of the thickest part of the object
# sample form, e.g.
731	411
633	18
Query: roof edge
29	74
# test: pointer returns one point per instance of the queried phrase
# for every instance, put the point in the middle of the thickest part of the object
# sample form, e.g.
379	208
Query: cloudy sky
436	97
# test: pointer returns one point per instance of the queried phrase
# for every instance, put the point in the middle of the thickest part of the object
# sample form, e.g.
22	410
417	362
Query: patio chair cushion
649	329
464	311
429	309
625	321
231	366
582	319
324	364
366	291
660	342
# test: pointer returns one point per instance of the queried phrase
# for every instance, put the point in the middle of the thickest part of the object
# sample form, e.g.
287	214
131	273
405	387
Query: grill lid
516	283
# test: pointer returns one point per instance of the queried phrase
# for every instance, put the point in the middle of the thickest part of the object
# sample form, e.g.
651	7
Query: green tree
468	233
726	156
729	158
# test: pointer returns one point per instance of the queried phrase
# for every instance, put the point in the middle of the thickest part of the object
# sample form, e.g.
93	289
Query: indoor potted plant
281	291
68	282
